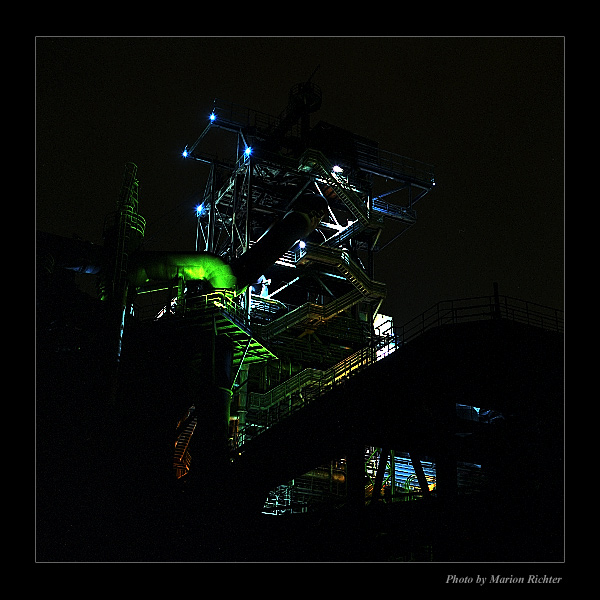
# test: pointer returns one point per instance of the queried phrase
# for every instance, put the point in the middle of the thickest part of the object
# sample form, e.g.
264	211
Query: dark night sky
487	112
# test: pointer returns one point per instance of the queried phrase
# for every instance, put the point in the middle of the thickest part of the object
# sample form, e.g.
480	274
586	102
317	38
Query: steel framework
315	308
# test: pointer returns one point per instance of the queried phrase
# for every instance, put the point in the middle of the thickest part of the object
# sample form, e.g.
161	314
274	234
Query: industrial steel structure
256	373
310	316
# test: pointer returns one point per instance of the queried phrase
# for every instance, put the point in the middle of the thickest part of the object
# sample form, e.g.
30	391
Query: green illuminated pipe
147	266
243	271
166	266
297	224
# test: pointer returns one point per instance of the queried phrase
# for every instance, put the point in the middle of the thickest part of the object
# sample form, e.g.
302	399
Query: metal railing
164	302
313	159
300	390
314	382
341	260
221	300
294	394
311	313
242	116
401	213
383	162
450	312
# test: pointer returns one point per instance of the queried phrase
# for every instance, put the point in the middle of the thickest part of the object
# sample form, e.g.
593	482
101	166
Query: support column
208	374
355	476
418	467
383	458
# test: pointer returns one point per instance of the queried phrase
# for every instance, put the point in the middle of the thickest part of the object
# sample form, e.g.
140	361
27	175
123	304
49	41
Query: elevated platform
304	157
408	401
216	312
309	316
219	312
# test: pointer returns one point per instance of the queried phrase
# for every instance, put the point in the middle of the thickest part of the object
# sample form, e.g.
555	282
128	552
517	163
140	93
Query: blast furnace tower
308	315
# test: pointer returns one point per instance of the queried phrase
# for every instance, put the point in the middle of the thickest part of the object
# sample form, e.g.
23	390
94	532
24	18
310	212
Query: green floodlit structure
255	377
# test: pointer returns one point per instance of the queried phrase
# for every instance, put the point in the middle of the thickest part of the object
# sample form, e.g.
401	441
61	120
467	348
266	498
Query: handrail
480	308
316	380
341	260
241	116
385	162
310	312
447	312
312	159
222	300
408	215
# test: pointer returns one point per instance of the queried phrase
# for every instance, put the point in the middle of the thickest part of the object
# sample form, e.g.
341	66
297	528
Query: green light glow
166	266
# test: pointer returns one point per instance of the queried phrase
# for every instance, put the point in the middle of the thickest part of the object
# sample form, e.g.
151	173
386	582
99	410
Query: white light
184	153
248	151
212	116
338	169
302	244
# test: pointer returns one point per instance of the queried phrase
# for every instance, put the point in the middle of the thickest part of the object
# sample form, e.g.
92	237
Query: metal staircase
316	161
310	315
314	382
340	260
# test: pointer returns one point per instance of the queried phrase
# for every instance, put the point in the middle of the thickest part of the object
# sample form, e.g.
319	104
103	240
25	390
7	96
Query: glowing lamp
248	151
302	244
338	169
212	116
184	153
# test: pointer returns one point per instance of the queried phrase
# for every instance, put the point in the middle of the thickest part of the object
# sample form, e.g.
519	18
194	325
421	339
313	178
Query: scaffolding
313	312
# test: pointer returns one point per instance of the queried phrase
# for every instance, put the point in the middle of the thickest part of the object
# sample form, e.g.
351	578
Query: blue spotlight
248	151
184	153
200	210
212	116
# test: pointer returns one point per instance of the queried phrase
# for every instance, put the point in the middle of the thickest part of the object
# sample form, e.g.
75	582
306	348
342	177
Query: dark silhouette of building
246	401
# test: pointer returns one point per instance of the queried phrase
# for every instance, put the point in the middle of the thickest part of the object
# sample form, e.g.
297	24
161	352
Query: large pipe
243	271
298	223
68	253
165	266
146	266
